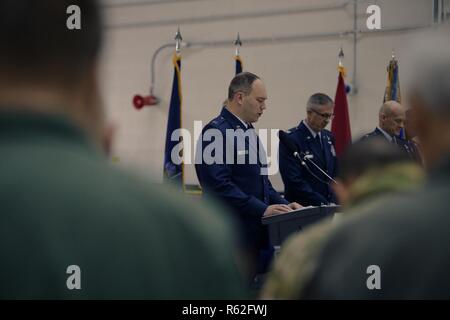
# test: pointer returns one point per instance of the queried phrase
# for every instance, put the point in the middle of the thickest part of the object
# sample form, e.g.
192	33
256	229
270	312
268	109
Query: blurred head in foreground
46	67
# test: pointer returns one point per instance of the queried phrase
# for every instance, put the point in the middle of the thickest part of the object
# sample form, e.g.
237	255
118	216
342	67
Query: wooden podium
284	224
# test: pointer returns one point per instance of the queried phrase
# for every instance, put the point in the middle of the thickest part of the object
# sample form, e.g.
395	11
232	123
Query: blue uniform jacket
407	146
300	185
374	134
240	186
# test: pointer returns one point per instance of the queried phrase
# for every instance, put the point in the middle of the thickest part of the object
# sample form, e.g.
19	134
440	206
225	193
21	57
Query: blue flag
392	91
238	64
173	166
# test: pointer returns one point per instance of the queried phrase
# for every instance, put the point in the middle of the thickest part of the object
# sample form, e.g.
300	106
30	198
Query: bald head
390	107
392	117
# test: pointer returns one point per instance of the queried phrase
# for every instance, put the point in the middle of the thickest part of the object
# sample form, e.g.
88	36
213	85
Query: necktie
253	140
322	151
318	141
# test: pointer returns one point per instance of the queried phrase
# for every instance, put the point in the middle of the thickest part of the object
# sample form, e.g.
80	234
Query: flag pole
340	63
178	39
237	57
237	44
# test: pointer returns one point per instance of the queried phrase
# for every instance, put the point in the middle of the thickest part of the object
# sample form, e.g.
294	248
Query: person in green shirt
71	225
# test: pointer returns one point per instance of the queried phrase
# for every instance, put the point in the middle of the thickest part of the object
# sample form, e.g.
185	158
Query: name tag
333	152
242	152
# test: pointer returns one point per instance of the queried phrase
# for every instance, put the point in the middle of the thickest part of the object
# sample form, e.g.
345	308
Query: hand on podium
276	208
295	206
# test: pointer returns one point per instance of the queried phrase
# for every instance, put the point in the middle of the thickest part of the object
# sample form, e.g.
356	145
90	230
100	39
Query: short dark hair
318	99
367	154
35	41
241	82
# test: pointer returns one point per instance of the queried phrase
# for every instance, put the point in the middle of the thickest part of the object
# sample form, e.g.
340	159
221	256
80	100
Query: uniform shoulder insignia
327	134
218	121
292	130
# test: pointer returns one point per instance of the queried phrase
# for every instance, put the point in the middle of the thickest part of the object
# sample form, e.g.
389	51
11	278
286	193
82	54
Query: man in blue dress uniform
305	183
390	123
231	166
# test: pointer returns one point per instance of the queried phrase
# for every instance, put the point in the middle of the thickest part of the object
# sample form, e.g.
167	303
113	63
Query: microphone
287	142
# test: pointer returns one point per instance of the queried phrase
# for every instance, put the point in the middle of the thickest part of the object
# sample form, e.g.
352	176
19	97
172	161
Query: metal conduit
231	16
254	41
280	39
118	4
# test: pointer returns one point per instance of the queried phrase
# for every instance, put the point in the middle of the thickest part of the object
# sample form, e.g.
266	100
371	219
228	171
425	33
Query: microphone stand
303	157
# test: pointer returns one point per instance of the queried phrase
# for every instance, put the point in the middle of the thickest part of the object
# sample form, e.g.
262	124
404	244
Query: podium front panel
281	226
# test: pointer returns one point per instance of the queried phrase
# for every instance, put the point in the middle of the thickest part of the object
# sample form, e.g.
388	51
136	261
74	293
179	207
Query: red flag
340	125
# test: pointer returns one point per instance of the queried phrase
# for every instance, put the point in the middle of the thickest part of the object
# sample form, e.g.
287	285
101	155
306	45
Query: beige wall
291	70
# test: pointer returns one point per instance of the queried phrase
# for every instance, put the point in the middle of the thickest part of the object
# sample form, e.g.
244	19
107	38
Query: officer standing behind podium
241	184
305	183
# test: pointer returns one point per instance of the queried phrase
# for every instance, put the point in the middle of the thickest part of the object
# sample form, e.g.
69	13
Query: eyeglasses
324	115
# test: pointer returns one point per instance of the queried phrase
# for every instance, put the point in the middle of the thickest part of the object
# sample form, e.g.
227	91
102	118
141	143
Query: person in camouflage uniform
369	172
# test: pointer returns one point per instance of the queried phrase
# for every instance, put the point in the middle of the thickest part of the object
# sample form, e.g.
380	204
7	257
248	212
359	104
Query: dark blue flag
173	166
238	64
